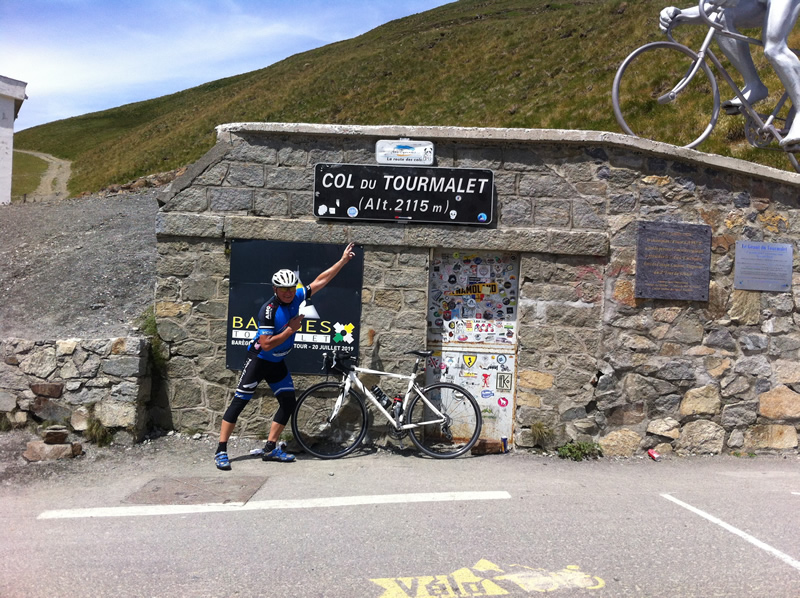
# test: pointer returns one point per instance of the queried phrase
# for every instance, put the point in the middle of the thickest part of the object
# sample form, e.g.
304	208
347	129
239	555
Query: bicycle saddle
420	353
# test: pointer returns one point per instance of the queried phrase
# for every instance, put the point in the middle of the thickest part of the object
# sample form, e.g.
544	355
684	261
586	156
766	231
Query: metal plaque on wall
404	194
763	266
404	151
673	261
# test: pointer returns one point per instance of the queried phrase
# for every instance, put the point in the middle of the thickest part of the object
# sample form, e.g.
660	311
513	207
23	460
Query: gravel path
54	181
78	267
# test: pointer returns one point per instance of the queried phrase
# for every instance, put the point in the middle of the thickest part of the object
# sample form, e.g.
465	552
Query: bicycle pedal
732	109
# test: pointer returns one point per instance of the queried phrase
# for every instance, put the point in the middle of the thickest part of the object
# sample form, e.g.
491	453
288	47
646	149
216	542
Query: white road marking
261	505
744	535
797	493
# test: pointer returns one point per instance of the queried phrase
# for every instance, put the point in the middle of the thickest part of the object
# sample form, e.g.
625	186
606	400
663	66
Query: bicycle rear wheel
322	434
643	101
458	433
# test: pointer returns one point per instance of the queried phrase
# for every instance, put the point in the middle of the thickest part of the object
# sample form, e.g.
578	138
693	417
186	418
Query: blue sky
81	56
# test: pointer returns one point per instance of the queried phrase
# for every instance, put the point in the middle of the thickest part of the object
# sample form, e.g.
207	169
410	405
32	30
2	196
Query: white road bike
443	420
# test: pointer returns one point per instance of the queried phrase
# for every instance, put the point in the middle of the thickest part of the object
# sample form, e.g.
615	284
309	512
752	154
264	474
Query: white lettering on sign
337	181
434	184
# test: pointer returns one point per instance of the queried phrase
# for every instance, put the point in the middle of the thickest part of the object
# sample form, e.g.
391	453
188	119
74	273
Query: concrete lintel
15	90
226	133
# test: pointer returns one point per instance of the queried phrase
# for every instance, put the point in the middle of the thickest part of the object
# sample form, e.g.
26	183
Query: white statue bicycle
665	91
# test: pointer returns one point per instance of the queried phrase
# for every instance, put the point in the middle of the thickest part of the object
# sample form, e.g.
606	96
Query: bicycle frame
717	28
352	380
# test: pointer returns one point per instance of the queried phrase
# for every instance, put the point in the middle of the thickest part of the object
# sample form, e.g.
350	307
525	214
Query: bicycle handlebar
714	22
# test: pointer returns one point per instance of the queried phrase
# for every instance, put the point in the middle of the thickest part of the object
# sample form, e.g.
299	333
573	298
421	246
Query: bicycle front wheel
656	97
462	425
321	432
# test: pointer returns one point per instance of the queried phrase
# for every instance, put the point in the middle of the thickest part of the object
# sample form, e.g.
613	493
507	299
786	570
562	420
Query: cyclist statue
776	18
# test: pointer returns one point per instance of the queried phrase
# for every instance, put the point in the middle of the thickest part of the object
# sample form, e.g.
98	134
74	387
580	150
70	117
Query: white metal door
472	327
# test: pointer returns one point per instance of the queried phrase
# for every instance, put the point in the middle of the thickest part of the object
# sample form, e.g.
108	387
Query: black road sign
404	194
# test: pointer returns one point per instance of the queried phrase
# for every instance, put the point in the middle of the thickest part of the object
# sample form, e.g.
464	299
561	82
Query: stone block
55	435
115	414
787	371
66	347
19	418
80	419
189	225
172	309
620	443
37	450
578	243
244	175
124	367
701	401
779	437
230	199
527	399
193	199
625	415
667	427
46	409
534	380
271	204
745	307
739	414
51	390
8	401
780	403
39	363
702	436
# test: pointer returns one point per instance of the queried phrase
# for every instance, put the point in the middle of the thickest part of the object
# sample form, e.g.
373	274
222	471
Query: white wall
6	147
12	94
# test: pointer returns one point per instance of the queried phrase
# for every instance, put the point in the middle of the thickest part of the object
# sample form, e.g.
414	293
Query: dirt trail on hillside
54	181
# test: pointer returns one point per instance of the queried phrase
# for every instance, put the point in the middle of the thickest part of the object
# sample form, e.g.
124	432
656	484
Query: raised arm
328	275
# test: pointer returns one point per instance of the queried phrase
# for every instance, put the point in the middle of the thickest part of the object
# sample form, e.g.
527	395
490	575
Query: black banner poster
404	194
338	305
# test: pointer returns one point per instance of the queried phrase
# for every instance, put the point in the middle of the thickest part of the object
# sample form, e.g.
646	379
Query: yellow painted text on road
488	579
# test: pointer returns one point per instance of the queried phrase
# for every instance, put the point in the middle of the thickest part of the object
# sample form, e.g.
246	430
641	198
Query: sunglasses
284	289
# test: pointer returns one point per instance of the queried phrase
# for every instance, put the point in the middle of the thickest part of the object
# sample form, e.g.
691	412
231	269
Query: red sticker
502	401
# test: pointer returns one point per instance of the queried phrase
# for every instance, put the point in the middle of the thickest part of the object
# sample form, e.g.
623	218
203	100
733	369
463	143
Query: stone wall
594	363
71	381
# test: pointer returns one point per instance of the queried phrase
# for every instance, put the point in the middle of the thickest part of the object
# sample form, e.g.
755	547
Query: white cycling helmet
284	278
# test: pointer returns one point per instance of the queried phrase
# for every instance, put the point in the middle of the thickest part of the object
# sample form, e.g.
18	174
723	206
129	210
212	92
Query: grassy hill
492	63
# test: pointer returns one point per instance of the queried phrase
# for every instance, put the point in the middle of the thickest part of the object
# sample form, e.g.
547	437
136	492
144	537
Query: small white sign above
404	151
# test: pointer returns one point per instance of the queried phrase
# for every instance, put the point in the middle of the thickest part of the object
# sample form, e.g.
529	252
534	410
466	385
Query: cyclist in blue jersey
278	321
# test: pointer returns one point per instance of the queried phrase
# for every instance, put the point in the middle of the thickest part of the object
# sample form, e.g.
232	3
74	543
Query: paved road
391	525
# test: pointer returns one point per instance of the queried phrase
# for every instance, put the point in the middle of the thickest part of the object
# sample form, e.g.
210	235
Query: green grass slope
489	63
28	171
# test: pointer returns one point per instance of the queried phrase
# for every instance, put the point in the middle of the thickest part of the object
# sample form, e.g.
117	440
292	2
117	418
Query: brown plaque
673	261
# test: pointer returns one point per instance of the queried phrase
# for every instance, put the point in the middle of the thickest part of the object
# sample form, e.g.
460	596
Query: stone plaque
763	266
673	261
